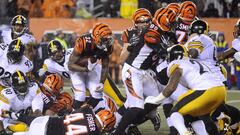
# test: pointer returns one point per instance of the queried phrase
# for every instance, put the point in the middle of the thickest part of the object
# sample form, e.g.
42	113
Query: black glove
134	40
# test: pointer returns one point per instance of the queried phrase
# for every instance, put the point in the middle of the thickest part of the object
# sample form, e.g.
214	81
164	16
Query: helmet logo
17	48
19	20
20	78
53	47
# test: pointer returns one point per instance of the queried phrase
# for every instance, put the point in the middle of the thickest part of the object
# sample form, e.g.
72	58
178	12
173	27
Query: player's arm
174	78
125	52
226	54
37	104
173	82
104	71
76	56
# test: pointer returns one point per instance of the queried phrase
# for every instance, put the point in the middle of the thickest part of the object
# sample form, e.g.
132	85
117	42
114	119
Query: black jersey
81	121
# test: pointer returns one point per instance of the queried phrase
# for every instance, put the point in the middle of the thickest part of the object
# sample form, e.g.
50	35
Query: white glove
99	88
42	71
91	65
237	56
155	100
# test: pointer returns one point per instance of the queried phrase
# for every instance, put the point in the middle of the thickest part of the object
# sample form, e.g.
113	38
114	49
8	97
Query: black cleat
156	121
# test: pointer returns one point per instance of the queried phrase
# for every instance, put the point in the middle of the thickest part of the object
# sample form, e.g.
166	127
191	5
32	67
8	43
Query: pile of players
168	59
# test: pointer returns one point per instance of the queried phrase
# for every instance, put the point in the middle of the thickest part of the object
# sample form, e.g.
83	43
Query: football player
19	26
22	96
137	73
11	60
204	88
187	12
81	121
142	19
235	50
202	48
93	47
56	101
57	63
58	56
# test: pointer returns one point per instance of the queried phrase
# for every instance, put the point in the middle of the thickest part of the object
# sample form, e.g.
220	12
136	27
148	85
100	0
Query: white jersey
54	67
10	101
236	44
25	38
208	53
7	69
195	75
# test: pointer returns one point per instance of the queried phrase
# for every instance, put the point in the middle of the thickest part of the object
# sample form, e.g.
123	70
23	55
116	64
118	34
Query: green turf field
147	128
233	98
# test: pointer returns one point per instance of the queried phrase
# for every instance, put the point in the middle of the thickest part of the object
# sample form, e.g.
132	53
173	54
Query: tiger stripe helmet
164	18
141	15
100	32
107	119
188	11
53	85
175	7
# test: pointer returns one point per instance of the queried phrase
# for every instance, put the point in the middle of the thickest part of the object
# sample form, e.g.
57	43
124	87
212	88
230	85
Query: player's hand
91	65
134	41
152	100
9	114
237	56
42	71
99	88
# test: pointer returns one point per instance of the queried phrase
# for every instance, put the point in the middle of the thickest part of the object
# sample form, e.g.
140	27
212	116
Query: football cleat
156	121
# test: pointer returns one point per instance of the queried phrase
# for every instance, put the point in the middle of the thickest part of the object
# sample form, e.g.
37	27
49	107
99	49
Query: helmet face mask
56	51
19	25
15	51
199	27
175	52
20	83
105	43
142	19
102	36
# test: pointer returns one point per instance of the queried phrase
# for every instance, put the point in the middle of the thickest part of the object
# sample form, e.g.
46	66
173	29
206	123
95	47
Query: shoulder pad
9	93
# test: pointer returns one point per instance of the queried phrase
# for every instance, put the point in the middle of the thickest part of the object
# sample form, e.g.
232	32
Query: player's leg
133	83
79	89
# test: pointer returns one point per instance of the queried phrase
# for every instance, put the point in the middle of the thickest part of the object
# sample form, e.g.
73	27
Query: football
83	62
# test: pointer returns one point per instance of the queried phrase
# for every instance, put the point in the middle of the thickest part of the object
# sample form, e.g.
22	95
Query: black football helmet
15	51
20	83
236	32
199	27
19	24
175	52
56	51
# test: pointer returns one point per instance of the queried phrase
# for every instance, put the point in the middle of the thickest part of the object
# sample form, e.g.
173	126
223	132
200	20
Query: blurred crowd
109	8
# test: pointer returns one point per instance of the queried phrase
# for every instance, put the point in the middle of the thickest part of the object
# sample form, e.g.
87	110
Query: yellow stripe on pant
112	91
199	103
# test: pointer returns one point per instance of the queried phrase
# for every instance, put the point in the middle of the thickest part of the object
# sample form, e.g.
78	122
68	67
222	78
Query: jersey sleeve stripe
173	68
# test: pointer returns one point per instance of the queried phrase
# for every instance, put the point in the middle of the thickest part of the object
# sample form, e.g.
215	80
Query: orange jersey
84	46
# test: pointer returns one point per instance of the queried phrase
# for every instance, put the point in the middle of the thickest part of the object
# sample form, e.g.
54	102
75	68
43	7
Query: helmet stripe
20	76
